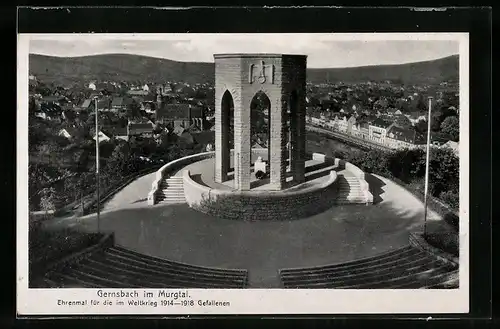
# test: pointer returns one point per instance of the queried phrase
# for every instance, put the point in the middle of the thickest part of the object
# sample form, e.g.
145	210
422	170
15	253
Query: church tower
159	102
159	96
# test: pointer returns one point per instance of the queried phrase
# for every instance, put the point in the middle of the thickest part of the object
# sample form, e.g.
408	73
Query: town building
342	123
453	146
68	132
182	115
399	137
351	124
102	137
120	103
377	130
140	128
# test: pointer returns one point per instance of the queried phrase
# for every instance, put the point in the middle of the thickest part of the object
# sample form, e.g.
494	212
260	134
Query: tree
421	126
403	121
375	161
418	104
451	127
32	106
134	109
48	200
444	171
402	105
407	164
436	120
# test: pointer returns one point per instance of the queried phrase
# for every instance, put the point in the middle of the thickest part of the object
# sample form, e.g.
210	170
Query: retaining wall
417	240
166	170
261	205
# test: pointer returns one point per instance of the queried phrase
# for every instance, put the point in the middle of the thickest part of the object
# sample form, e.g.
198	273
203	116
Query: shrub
448	242
46	247
450	198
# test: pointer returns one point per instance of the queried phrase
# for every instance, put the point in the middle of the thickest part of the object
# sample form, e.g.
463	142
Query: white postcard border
248	301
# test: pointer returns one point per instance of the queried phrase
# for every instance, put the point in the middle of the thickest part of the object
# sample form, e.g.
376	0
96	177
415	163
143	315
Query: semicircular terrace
327	182
340	233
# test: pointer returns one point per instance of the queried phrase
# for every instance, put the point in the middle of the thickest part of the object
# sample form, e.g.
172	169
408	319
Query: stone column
278	146
242	146
299	133
221	139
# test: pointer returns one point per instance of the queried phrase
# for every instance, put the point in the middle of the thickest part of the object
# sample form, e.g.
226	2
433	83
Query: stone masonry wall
260	205
284	73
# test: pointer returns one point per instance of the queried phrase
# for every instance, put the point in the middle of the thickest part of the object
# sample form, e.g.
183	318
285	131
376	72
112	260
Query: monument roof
256	55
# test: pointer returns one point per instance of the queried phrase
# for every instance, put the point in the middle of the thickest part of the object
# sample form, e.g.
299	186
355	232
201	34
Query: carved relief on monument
261	73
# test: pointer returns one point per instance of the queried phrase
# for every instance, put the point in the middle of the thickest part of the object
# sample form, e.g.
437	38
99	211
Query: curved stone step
93	279
410	275
64	280
414	276
381	257
164	276
131	253
142	278
447	280
367	270
170	270
368	275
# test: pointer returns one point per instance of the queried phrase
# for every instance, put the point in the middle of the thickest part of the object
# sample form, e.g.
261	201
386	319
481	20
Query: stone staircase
171	191
349	190
403	268
118	267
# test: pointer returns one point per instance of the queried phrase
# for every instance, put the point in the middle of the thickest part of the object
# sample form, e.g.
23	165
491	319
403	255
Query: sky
323	50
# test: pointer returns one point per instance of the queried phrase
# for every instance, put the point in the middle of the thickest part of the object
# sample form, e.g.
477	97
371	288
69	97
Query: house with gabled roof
399	137
453	146
143	129
139	93
69	132
351	124
378	130
183	115
116	132
102	136
120	103
341	121
439	139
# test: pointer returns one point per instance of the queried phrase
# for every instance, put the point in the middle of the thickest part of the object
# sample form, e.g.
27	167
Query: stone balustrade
166	170
260	204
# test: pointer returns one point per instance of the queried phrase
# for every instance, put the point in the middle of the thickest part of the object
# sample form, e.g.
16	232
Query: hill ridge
130	67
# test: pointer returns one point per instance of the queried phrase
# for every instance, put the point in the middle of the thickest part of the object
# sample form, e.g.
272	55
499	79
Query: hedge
48	246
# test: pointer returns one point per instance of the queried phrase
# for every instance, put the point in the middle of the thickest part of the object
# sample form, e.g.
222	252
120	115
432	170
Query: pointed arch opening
260	118
227	131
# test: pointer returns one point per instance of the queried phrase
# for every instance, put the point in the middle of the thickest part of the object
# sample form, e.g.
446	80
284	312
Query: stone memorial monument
282	78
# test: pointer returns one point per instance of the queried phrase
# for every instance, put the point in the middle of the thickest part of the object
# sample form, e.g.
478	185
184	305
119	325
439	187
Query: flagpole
427	157
97	165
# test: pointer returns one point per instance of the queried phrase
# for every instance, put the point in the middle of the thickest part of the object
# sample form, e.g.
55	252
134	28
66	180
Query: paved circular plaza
339	234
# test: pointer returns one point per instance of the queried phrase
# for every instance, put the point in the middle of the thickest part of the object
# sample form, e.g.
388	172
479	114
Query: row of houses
163	112
380	131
